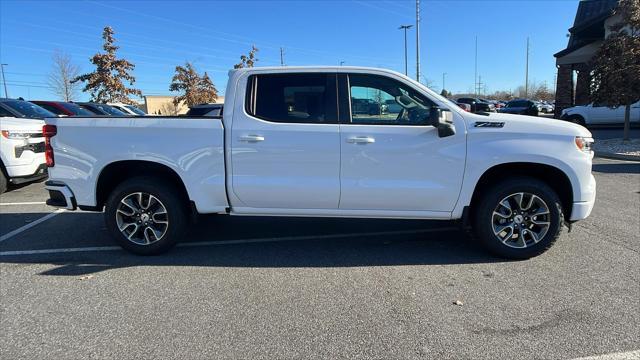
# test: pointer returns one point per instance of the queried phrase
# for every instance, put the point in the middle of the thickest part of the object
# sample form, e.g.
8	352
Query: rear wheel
146	216
519	218
577	119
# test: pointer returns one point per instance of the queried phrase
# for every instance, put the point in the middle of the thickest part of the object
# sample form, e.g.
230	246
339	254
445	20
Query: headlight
19	135
584	144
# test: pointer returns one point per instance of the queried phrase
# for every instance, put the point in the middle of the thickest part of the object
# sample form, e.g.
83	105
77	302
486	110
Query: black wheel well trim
554	177
116	172
4	170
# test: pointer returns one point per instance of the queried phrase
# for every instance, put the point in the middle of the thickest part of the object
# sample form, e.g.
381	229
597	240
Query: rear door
392	159
285	142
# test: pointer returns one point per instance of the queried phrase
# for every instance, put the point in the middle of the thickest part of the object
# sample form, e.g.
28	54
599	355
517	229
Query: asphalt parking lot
243	287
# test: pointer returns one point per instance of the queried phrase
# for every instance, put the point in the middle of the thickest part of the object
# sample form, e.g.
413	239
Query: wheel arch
550	175
116	172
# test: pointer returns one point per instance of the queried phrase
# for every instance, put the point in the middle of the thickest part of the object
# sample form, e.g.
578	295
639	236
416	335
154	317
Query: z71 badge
491	124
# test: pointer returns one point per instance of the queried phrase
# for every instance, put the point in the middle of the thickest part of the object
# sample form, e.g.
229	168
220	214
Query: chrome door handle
251	138
361	140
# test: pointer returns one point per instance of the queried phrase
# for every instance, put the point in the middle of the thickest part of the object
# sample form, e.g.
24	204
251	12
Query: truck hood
21	124
532	124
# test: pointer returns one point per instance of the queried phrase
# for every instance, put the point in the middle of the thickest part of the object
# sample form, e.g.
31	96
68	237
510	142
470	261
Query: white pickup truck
318	142
21	142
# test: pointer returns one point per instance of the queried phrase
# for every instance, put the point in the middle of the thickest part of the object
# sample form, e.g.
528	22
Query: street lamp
405	28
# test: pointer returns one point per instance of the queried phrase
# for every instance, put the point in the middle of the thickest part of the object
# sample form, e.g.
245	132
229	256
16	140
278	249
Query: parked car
264	159
368	107
22	109
465	107
545	107
600	115
521	107
101	109
63	108
477	105
128	109
206	110
21	143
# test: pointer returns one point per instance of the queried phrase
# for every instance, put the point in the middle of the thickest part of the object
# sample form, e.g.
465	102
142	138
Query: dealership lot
246	287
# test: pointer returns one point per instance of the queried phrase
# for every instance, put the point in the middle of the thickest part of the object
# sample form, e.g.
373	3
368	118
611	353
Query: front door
285	142
391	159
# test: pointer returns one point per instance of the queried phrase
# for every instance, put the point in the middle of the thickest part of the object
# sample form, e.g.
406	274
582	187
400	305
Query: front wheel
146	216
519	218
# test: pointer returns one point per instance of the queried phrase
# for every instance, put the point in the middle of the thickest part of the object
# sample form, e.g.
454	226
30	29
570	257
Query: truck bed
193	147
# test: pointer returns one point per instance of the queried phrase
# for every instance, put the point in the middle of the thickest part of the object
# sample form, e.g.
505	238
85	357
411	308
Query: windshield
28	110
77	110
135	110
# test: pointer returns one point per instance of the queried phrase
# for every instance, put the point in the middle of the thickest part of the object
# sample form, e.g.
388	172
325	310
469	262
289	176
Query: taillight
49	131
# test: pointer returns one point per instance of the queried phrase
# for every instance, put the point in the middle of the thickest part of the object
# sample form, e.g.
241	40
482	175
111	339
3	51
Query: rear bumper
60	196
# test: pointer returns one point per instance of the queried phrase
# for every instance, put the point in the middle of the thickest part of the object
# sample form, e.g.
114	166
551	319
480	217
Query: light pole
418	40
405	28
443	75
4	80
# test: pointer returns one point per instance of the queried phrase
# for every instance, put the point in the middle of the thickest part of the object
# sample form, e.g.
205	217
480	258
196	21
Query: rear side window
293	98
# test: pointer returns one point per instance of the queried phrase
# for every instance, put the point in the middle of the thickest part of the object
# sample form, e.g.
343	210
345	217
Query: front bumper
60	195
40	173
582	209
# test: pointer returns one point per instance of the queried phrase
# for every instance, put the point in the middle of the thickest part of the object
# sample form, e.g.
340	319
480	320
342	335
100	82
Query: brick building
590	28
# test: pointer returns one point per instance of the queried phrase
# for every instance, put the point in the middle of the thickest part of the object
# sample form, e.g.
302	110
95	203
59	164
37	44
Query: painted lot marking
23	203
229	242
629	355
17	231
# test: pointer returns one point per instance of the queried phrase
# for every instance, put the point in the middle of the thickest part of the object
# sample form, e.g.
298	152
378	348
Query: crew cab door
285	142
393	160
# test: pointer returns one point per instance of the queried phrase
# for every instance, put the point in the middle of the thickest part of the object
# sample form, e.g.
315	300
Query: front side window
379	100
293	98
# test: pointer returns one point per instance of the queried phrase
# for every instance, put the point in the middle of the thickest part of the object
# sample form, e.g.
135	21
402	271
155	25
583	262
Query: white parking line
17	231
228	242
23	203
629	355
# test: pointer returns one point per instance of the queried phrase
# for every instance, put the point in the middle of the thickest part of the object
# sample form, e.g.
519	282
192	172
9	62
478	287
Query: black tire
176	214
483	217
3	182
577	119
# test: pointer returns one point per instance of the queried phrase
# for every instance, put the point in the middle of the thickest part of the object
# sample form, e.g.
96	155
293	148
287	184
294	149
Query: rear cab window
293	97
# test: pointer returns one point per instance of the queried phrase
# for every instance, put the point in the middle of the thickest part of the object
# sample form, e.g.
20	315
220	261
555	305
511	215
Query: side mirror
440	119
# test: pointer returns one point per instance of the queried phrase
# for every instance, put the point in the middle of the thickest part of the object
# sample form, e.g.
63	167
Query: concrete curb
614	156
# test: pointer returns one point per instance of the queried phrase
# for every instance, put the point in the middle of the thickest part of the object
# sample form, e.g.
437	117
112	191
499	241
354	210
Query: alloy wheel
520	220
142	218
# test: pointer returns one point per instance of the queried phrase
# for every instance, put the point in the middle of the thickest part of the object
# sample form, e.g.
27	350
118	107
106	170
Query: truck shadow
222	241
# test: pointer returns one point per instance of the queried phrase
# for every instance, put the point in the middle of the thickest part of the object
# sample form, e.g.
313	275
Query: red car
63	108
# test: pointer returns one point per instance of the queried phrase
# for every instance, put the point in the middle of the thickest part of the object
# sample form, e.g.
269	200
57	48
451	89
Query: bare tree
62	73
106	82
616	66
194	89
248	60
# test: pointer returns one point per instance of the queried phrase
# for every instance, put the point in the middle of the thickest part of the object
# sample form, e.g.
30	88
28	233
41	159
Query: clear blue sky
158	35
